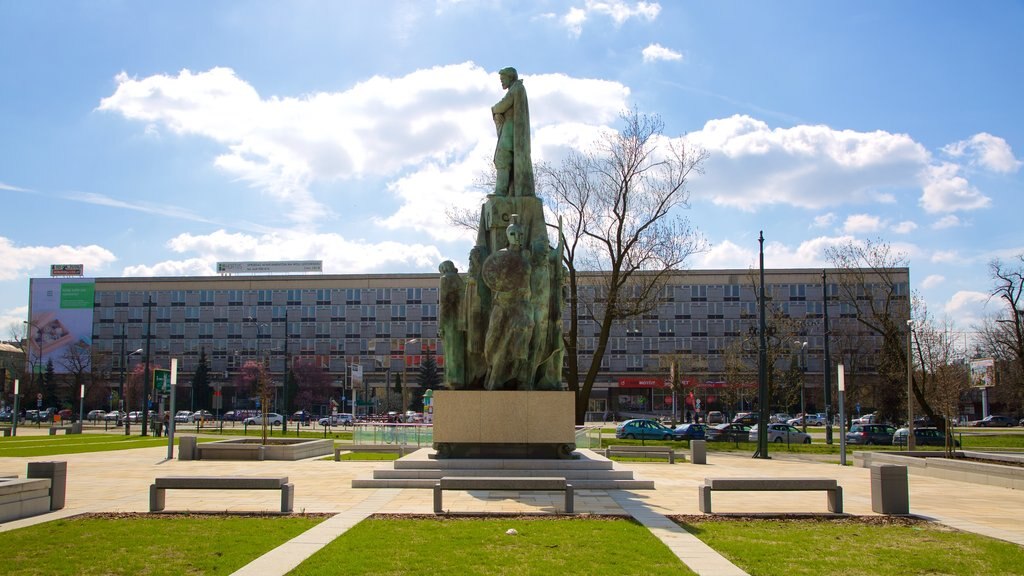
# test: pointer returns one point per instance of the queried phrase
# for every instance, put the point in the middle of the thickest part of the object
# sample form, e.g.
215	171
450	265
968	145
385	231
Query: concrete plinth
890	492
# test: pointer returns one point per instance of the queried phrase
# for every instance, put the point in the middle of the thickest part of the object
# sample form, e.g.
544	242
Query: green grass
31	446
812	548
466	546
135	545
366	456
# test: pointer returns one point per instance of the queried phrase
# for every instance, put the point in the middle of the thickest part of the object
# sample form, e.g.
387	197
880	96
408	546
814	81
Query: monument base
504	424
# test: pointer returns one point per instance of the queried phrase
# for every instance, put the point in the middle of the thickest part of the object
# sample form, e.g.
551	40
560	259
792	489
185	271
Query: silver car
780	433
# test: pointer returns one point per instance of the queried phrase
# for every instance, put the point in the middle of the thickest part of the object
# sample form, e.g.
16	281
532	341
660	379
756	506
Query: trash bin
890	491
698	452
57	472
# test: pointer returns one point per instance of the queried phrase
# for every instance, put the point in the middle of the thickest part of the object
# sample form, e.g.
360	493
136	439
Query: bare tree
77	363
1002	337
619	208
944	372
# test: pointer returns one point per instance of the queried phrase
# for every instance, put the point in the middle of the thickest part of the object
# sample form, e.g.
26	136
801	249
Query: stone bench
157	496
54	430
535	483
228	451
400	449
835	491
23	497
642	452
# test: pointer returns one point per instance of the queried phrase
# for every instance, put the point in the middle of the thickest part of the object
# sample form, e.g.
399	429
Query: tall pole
14	417
122	404
827	369
146	384
803	382
910	385
842	415
762	366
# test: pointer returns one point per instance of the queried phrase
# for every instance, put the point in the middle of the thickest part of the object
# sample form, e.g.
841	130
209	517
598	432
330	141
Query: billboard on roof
274	267
60	316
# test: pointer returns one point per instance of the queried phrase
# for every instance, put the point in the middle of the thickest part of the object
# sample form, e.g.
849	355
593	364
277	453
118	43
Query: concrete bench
400	449
23	497
642	452
56	429
157	490
228	451
835	491
535	483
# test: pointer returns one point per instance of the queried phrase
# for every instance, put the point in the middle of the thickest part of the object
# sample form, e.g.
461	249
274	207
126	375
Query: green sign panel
77	295
162	380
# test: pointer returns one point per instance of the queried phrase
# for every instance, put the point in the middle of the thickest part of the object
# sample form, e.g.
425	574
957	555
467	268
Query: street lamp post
803	382
81	405
146	384
841	372
405	374
910	385
14	417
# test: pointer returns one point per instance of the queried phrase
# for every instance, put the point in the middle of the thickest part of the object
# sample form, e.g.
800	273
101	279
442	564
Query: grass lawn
148	545
364	456
851	546
464	546
31	446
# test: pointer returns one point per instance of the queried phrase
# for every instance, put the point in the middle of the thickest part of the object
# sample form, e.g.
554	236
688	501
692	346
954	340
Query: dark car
922	437
727	433
994	421
690	432
748	418
870	434
643	429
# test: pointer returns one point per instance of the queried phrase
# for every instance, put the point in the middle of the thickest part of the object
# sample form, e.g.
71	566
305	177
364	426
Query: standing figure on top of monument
512	154
451	325
510	327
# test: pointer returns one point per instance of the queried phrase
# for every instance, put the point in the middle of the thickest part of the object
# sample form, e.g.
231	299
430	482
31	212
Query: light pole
14	417
842	415
803	382
122	402
910	385
262	378
146	384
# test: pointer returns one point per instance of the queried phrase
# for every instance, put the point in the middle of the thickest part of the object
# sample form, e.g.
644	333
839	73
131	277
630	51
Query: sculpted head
515	233
447	267
508	76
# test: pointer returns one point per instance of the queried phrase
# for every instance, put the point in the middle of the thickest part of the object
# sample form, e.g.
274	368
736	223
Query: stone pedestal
890	492
186	448
698	452
504	424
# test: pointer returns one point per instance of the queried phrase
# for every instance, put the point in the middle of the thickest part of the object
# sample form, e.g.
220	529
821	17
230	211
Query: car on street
1021	423
866	419
732	432
715	417
866	434
201	416
114	416
183	416
777	418
303	416
812	420
643	429
273	419
780	433
690	432
95	415
922	437
342	419
66	415
993	421
748	418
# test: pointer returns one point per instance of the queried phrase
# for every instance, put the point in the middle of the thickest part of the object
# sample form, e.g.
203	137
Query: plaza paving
118	481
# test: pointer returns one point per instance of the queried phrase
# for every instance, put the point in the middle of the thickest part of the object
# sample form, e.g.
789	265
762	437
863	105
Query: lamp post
146	384
262	378
81	405
123	404
827	368
405	374
803	382
14	417
910	385
842	415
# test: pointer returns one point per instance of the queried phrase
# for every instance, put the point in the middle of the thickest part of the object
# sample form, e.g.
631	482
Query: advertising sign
983	373
282	267
162	380
60	316
67	269
641	382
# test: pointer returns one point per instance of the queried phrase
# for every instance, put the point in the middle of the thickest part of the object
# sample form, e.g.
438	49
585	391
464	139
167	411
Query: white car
782	433
182	416
812	420
273	419
343	419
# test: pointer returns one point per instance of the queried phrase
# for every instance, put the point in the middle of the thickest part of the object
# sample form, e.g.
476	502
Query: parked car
778	418
732	432
781	433
993	421
1021	423
201	416
715	417
870	434
866	419
183	416
690	432
66	415
302	416
812	420
273	419
114	415
643	429
95	415
922	437
748	418
343	419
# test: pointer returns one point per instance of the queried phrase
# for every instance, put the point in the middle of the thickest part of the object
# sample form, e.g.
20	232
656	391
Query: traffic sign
162	380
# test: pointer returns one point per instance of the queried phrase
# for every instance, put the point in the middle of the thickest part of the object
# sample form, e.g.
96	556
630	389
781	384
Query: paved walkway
119	482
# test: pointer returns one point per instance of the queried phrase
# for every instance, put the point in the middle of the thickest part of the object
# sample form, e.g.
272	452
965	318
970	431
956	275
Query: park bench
229	451
54	430
527	483
641	452
157	490
835	491
400	449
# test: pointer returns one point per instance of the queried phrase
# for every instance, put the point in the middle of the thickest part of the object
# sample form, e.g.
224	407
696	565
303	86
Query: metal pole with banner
173	385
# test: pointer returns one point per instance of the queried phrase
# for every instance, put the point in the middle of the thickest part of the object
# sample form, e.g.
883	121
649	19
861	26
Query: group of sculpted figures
501	323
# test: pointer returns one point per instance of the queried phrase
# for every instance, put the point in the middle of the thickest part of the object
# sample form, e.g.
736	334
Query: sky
158	138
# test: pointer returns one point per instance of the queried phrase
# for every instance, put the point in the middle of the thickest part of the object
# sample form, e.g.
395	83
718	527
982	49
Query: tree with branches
201	391
619	204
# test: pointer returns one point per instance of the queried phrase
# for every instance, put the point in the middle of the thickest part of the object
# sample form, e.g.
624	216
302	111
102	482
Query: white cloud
905	227
947	221
946	256
987	151
812	167
808	254
12	188
946	191
862	224
824	220
655	52
21	261
966	307
617	10
933	281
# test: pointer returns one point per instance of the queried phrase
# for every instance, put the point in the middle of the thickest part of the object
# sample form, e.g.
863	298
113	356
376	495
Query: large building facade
374	326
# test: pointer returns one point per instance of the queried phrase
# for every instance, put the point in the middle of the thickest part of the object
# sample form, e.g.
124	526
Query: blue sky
157	138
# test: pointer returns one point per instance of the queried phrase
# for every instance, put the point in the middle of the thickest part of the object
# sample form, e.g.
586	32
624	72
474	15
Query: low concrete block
57	473
186	448
890	491
698	452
